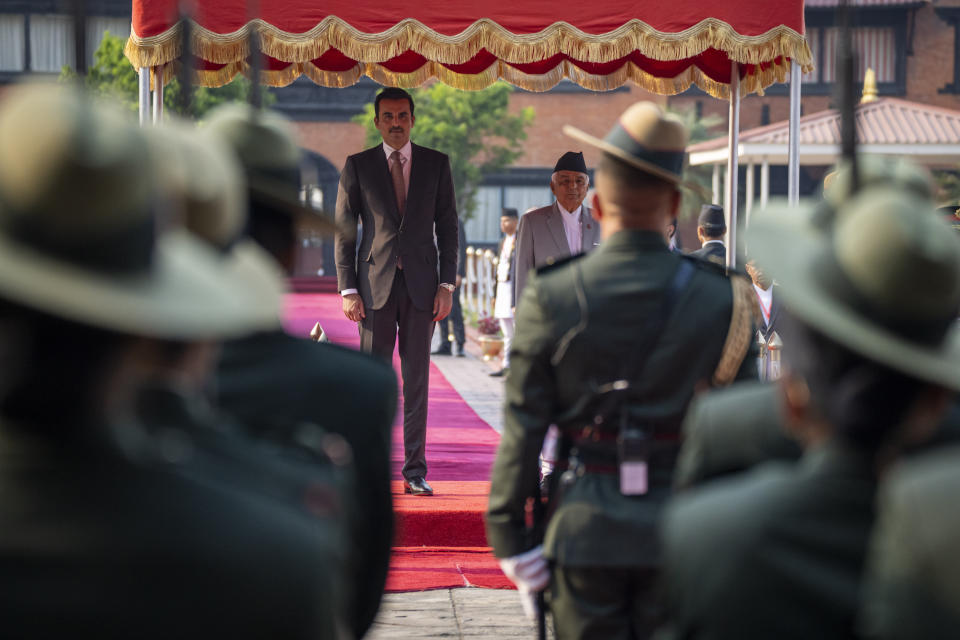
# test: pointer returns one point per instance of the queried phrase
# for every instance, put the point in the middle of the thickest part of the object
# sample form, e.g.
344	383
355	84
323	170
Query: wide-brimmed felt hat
883	279
265	143
646	138
83	226
206	182
876	170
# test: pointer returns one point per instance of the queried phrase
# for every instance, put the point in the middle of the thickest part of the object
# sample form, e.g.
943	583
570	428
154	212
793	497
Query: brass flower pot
491	346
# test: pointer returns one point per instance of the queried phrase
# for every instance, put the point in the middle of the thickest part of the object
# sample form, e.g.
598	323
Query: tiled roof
884	121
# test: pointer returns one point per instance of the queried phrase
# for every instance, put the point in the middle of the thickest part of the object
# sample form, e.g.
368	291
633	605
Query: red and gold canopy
661	46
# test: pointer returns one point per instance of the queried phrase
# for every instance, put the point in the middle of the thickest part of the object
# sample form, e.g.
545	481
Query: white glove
528	570
528	600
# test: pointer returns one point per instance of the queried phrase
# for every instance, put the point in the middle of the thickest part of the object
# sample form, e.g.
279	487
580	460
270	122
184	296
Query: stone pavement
468	612
452	613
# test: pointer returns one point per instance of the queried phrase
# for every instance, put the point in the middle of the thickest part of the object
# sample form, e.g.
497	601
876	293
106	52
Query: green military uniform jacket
731	430
154	539
777	552
273	382
913	576
559	353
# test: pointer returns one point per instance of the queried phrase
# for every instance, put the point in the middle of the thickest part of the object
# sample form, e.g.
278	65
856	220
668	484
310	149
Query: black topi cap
509	212
711	218
571	161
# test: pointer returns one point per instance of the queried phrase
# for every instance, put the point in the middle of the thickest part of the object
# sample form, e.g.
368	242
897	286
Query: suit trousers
455	317
379	331
604	602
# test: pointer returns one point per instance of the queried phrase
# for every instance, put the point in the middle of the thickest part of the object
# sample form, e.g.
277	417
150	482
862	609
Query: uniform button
551	260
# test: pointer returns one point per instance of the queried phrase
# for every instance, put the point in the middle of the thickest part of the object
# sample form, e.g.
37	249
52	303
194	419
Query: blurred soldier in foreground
779	552
913	576
108	529
733	429
277	384
589	355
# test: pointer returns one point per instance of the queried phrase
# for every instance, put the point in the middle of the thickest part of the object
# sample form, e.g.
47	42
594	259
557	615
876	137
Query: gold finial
869	87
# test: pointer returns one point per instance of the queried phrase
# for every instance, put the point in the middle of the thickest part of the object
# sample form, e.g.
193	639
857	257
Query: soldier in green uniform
912	589
733	429
106	529
275	383
873	288
611	347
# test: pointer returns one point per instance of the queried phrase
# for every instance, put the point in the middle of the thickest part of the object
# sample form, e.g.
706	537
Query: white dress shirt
766	300
572	229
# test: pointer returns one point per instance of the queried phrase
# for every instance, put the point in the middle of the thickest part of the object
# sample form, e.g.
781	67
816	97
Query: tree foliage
699	128
474	128
113	76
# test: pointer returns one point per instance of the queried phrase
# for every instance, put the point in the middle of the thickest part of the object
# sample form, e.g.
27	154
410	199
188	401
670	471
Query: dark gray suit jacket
542	240
366	194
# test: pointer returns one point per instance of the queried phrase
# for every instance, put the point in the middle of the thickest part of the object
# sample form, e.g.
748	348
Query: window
51	43
97	26
484	226
876	48
12	38
879	38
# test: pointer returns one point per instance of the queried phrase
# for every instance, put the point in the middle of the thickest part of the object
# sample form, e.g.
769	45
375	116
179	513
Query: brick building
911	44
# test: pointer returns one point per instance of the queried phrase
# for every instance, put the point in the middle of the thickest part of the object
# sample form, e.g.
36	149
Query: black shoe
442	350
459	352
499	374
417	486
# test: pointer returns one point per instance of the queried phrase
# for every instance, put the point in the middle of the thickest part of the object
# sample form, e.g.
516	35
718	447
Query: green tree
113	76
474	128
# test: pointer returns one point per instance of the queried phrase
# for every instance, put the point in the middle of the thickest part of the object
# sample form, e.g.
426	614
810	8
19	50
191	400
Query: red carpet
440	540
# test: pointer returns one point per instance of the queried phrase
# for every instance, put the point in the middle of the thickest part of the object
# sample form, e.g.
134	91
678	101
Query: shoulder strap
740	333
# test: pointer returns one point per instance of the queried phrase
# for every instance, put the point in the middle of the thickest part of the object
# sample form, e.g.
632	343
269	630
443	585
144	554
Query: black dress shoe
459	352
499	374
417	486
441	351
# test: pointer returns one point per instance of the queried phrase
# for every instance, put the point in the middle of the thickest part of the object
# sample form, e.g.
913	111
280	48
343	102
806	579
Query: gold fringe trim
410	34
629	72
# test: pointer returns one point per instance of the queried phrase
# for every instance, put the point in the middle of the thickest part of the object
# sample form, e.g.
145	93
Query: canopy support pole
716	184
764	183
793	155
158	95
143	96
733	164
748	205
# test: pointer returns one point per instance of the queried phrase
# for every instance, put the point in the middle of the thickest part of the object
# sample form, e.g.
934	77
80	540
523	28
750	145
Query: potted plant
491	342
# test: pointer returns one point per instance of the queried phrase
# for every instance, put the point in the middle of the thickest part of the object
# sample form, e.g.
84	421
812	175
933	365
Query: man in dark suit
456	311
401	278
600	353
779	552
711	227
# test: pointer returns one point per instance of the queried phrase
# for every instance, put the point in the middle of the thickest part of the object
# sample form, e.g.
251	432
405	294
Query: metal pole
716	184
158	95
748	205
764	183
733	164
793	152
143	96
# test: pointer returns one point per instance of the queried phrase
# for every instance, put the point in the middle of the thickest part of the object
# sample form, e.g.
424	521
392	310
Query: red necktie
396	172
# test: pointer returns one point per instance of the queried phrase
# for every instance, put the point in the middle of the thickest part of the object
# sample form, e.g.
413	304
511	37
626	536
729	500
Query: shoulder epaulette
559	262
740	333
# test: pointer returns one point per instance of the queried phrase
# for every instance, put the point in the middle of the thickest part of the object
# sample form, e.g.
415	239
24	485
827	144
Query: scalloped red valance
663	47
